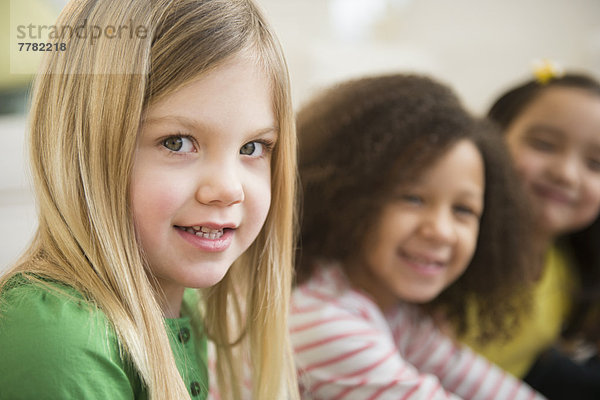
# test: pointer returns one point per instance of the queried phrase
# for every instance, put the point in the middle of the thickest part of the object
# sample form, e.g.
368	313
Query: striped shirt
346	348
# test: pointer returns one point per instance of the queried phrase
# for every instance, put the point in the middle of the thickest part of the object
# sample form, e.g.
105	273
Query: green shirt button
183	335
195	388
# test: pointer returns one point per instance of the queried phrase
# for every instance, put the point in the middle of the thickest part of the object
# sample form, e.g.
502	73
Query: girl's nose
220	186
438	225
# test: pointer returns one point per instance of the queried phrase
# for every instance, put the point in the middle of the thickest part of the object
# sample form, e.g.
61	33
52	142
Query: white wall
17	210
477	46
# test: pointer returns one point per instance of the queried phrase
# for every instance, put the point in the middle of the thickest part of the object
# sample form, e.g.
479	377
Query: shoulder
326	312
22	298
54	342
328	293
51	312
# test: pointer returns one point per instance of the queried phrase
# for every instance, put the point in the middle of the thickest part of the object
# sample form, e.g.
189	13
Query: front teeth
204	232
422	260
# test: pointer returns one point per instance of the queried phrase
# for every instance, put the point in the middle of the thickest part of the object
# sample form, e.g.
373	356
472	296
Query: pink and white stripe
346	348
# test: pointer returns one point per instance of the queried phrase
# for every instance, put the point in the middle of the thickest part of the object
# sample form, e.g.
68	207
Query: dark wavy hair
583	245
360	139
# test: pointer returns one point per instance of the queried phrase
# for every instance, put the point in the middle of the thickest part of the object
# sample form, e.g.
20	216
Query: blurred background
479	47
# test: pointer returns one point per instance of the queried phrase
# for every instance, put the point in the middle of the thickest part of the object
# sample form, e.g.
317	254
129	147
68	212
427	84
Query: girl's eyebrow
187	122
193	124
593	146
543	128
472	193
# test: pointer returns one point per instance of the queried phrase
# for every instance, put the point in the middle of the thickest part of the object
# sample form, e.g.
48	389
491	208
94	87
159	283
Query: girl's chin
423	296
208	280
553	226
424	299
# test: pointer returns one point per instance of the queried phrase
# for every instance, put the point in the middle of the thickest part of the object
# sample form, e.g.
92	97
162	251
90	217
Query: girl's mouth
555	195
209	239
203	231
423	264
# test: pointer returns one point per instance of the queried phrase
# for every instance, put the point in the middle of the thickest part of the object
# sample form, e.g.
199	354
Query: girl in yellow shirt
552	128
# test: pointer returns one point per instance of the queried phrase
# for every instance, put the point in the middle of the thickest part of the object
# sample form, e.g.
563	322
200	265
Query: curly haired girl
410	210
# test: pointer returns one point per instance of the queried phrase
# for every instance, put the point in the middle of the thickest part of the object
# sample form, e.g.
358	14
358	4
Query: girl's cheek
472	233
528	166
594	198
262	203
155	193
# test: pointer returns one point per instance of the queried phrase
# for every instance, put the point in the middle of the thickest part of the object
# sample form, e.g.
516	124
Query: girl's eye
412	198
255	149
594	164
179	144
541	144
465	211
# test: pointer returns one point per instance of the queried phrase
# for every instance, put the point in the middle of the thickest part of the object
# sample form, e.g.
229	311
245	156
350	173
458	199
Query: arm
460	370
343	352
55	347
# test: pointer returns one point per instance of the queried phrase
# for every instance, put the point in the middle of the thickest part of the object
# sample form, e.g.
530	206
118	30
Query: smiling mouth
203	231
554	195
422	261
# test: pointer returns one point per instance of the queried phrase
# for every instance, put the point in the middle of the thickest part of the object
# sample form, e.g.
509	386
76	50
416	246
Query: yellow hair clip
546	70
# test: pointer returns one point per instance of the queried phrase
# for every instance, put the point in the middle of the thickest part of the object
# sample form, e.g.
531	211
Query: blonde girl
163	158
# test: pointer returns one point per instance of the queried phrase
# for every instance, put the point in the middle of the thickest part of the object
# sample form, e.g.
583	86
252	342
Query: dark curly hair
584	245
360	139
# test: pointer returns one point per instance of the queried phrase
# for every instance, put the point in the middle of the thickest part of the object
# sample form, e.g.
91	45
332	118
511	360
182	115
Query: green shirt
55	345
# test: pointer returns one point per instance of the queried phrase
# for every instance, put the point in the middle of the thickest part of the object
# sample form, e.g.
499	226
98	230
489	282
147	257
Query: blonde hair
87	107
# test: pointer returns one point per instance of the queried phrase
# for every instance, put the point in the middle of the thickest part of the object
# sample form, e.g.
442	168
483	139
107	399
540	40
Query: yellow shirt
551	304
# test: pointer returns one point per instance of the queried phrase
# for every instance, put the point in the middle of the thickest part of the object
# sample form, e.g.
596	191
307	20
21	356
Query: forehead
564	103
461	168
228	104
238	79
222	74
571	113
